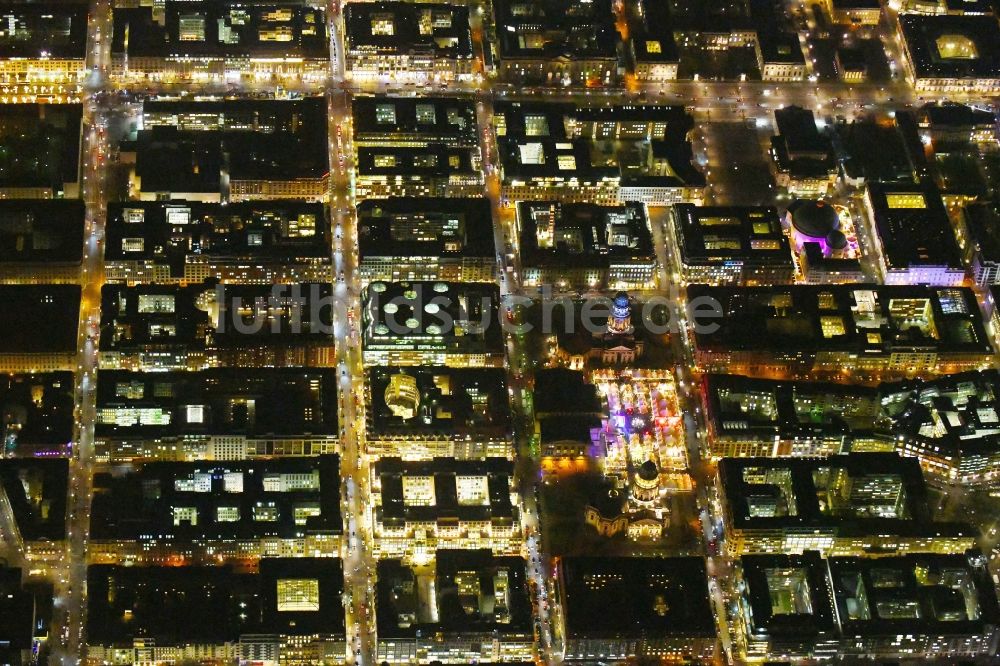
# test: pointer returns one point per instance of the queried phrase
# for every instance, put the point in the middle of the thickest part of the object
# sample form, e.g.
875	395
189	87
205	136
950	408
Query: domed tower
620	321
646	482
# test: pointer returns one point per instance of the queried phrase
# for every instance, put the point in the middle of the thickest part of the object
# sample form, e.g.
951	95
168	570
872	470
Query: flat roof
473	591
798	147
41	230
565	391
435	160
787	596
739	406
955	414
214	604
206	315
191	146
168	232
651	33
176	503
44	30
561	141
488	502
949	46
862	318
221	29
427	401
425	227
36	490
855	494
403	28
918	593
913	226
554	29
397	120
583	234
40	145
40	319
635	597
255	402
982	221
718	234
450	316
41	406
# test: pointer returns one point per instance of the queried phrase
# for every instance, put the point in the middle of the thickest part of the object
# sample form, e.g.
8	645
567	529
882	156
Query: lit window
298	595
653	46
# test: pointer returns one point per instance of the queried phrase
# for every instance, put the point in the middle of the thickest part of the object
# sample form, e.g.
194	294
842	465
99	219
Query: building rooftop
214	604
425	227
41	319
168	232
799	148
198	146
982	223
952	115
443	489
39	145
212	315
718	234
452	317
469	591
786	597
256	402
435	160
925	593
949	46
740	406
183	502
435	401
955	414
651	33
38	412
913	226
637	144
25	612
43	30
402	28
36	490
412	120
574	234
41	230
220	29
554	29
861	318
563	391
635	597
882	150
857	494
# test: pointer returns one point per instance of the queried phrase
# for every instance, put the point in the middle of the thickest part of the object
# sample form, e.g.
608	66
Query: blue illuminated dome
621	307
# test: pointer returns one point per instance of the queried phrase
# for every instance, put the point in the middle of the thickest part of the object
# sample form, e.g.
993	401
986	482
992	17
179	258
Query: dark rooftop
169	232
492	501
582	234
221	29
635	597
256	402
425	227
37	490
947	46
715	234
399	120
214	604
183	502
404	28
563	391
40	319
43	30
553	29
428	401
41	230
39	145
857	317
913	226
473	592
37	411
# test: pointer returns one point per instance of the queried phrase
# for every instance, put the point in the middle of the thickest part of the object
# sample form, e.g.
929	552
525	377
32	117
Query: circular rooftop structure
815	219
836	240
